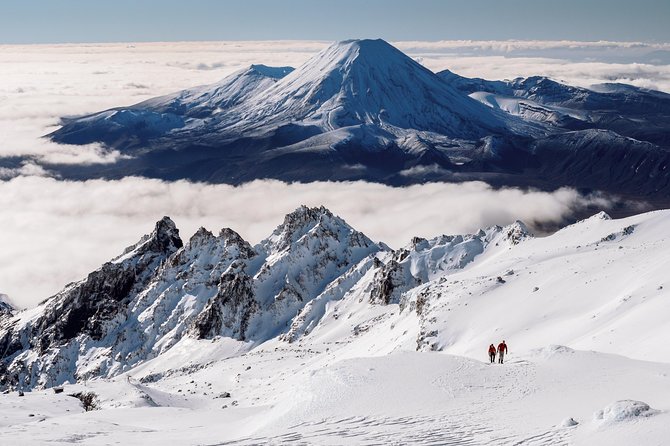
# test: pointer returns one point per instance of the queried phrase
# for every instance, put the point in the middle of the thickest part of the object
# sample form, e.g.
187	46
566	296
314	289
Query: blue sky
50	21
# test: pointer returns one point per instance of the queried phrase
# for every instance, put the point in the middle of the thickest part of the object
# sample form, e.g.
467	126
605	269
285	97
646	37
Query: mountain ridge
316	281
161	290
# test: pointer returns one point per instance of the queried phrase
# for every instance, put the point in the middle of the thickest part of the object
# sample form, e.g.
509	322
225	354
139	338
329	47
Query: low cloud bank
55	232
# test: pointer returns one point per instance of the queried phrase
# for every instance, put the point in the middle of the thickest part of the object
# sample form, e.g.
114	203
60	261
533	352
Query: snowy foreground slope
320	336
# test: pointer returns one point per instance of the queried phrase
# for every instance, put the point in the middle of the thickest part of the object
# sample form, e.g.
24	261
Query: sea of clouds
53	231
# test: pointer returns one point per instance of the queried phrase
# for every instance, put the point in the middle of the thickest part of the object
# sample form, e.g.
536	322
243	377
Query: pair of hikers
502	349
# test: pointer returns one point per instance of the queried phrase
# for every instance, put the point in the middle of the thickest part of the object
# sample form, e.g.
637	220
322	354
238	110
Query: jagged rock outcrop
304	255
6	309
431	261
392	279
229	312
161	291
424	260
88	310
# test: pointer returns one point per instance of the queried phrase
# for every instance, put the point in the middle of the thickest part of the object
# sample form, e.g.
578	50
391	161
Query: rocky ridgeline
160	291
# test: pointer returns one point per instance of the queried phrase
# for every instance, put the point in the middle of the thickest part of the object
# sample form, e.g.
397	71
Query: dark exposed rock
88	308
6	309
230	310
89	400
391	280
296	224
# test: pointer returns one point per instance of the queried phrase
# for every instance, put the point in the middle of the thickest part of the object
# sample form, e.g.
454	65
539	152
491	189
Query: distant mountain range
363	110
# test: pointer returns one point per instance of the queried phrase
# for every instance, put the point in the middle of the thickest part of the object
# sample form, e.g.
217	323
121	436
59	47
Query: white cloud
55	232
513	46
27	169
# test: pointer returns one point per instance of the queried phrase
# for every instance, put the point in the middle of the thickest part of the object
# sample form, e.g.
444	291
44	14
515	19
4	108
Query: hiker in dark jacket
492	353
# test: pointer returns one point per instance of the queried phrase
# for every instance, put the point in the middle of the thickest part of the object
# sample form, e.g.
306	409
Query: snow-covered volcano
363	110
369	82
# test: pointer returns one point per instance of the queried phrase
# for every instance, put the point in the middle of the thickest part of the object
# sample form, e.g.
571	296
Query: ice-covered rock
425	260
569	422
6	308
624	410
160	290
41	347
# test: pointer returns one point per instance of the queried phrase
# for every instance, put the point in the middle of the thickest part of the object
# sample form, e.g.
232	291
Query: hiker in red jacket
492	353
502	349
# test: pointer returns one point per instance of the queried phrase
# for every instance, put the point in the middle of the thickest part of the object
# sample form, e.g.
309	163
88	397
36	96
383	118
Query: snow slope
627	110
302	397
348	342
369	82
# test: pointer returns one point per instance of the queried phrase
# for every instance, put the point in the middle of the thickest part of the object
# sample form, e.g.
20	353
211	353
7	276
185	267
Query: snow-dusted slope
369	82
208	100
630	111
351	83
452	292
159	116
598	284
317	335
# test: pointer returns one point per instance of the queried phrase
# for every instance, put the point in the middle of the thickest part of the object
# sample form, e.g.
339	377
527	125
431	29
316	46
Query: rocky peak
231	237
165	236
164	239
200	237
297	224
517	232
226	237
6	308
